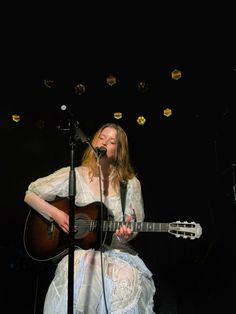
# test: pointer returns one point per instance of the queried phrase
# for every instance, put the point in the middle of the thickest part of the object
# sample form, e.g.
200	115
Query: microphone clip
100	151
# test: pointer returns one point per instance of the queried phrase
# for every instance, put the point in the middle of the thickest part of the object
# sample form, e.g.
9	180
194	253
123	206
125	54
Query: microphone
100	151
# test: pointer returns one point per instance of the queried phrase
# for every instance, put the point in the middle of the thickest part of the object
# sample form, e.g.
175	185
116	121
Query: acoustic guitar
44	240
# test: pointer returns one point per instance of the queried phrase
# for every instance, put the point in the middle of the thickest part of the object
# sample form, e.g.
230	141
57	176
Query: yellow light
79	89
141	120
143	86
176	74
48	83
167	112
111	80
117	115
15	117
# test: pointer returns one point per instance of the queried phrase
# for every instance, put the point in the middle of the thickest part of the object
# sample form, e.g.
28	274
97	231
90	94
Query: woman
127	281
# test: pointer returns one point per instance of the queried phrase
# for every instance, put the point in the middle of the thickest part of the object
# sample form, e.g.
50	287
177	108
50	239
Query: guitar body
44	240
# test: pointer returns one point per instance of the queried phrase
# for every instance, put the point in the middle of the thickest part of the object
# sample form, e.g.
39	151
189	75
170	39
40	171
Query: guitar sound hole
82	224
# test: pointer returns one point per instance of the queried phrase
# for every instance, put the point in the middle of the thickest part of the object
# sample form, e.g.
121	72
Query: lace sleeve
55	184
134	200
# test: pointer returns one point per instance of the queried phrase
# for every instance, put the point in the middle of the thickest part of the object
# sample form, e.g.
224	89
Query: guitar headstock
185	229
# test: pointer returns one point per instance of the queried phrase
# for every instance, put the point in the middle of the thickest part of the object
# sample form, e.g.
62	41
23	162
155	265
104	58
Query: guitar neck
135	226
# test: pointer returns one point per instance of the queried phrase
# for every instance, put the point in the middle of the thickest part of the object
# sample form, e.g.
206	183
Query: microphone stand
98	154
75	134
234	182
72	191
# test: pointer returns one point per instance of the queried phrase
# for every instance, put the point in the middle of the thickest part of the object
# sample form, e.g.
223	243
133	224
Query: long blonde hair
122	166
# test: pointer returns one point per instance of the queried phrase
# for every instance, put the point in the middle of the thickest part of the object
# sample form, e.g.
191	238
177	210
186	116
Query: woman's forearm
40	205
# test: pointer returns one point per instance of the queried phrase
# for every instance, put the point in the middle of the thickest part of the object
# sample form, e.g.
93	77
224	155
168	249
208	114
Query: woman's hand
123	233
62	219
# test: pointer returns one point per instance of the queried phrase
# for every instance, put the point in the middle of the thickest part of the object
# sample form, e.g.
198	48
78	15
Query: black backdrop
185	162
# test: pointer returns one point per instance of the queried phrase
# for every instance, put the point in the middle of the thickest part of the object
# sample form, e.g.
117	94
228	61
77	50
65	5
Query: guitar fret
139	226
151	227
112	225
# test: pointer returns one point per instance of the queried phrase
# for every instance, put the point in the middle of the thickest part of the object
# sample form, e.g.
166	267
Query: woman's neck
107	169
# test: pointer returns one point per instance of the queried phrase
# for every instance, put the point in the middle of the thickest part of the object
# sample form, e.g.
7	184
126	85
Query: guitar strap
125	247
123	191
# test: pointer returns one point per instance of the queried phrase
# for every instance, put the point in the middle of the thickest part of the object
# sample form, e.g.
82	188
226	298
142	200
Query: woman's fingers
124	232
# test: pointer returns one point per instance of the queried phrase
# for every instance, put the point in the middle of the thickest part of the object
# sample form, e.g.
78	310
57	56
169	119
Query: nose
104	143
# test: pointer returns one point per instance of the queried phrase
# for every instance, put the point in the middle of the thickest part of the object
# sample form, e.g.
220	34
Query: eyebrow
102	134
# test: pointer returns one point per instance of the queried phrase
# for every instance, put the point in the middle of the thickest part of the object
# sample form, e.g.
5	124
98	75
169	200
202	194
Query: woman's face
108	139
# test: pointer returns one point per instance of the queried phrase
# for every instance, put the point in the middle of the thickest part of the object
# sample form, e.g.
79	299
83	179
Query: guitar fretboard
135	226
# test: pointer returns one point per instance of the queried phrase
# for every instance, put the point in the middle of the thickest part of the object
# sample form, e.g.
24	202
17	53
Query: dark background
185	162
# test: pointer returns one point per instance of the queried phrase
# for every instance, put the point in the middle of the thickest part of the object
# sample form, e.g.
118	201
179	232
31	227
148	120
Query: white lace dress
128	283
